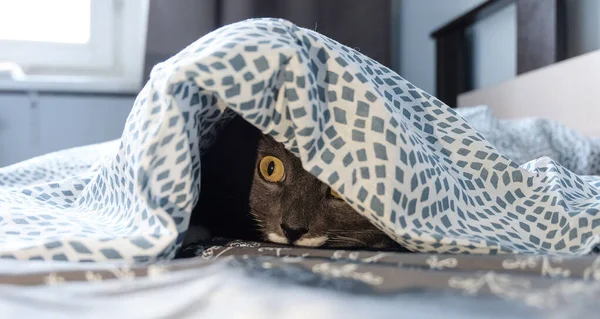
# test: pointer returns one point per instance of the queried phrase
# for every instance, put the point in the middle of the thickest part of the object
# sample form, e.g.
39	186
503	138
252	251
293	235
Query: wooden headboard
566	92
547	84
541	41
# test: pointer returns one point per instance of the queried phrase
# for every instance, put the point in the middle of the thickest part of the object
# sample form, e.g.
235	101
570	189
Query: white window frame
112	61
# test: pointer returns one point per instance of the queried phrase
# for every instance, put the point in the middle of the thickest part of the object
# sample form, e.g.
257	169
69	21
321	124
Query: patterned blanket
528	139
399	156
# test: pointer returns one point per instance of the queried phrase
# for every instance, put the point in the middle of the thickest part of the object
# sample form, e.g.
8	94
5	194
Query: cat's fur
236	202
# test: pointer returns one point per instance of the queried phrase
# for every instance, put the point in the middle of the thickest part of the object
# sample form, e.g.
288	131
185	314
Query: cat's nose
292	233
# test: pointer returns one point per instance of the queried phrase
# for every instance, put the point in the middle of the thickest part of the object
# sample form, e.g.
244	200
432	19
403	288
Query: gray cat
254	189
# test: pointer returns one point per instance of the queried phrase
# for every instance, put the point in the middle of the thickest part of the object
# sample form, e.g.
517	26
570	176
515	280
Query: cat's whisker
256	218
346	240
342	238
259	224
355	232
253	212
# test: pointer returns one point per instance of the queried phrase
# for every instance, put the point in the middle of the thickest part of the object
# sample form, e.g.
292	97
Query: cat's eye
335	194
271	169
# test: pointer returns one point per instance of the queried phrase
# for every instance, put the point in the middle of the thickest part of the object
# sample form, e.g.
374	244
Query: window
59	25
74	45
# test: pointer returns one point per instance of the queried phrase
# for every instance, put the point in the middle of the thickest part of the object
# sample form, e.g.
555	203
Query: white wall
57	122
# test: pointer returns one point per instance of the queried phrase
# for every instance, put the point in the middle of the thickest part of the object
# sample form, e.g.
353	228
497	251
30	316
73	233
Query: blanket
400	157
526	139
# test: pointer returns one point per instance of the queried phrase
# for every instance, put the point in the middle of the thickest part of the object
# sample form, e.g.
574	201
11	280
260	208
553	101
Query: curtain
360	24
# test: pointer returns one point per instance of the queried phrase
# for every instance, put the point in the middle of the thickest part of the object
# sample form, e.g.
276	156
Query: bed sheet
232	278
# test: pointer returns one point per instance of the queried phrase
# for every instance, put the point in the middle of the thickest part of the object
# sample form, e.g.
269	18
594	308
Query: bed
551	82
257	280
114	215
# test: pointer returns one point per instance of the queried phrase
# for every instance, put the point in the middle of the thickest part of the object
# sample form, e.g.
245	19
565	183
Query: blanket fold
410	164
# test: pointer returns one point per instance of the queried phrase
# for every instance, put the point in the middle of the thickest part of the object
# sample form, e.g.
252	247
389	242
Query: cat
253	188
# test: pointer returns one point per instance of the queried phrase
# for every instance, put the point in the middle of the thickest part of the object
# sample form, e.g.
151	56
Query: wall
57	122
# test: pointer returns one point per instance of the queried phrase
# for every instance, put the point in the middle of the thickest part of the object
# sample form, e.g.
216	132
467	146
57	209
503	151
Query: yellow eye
335	194
271	169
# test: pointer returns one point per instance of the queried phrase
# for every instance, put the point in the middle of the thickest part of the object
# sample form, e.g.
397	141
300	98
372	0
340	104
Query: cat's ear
335	194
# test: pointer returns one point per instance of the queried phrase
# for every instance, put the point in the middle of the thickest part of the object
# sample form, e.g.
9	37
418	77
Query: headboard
566	92
547	84
541	41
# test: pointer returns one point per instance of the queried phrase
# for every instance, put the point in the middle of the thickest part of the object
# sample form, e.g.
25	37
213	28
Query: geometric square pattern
411	165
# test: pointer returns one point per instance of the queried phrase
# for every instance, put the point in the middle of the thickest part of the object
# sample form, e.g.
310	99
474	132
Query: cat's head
291	206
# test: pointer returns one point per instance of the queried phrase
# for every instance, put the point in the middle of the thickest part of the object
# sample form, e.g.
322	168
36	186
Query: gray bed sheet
237	279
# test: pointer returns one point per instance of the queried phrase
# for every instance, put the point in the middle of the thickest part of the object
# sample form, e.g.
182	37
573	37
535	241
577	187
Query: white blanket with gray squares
398	155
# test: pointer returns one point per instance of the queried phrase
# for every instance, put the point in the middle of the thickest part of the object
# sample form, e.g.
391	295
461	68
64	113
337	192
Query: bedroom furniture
566	92
548	84
541	41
